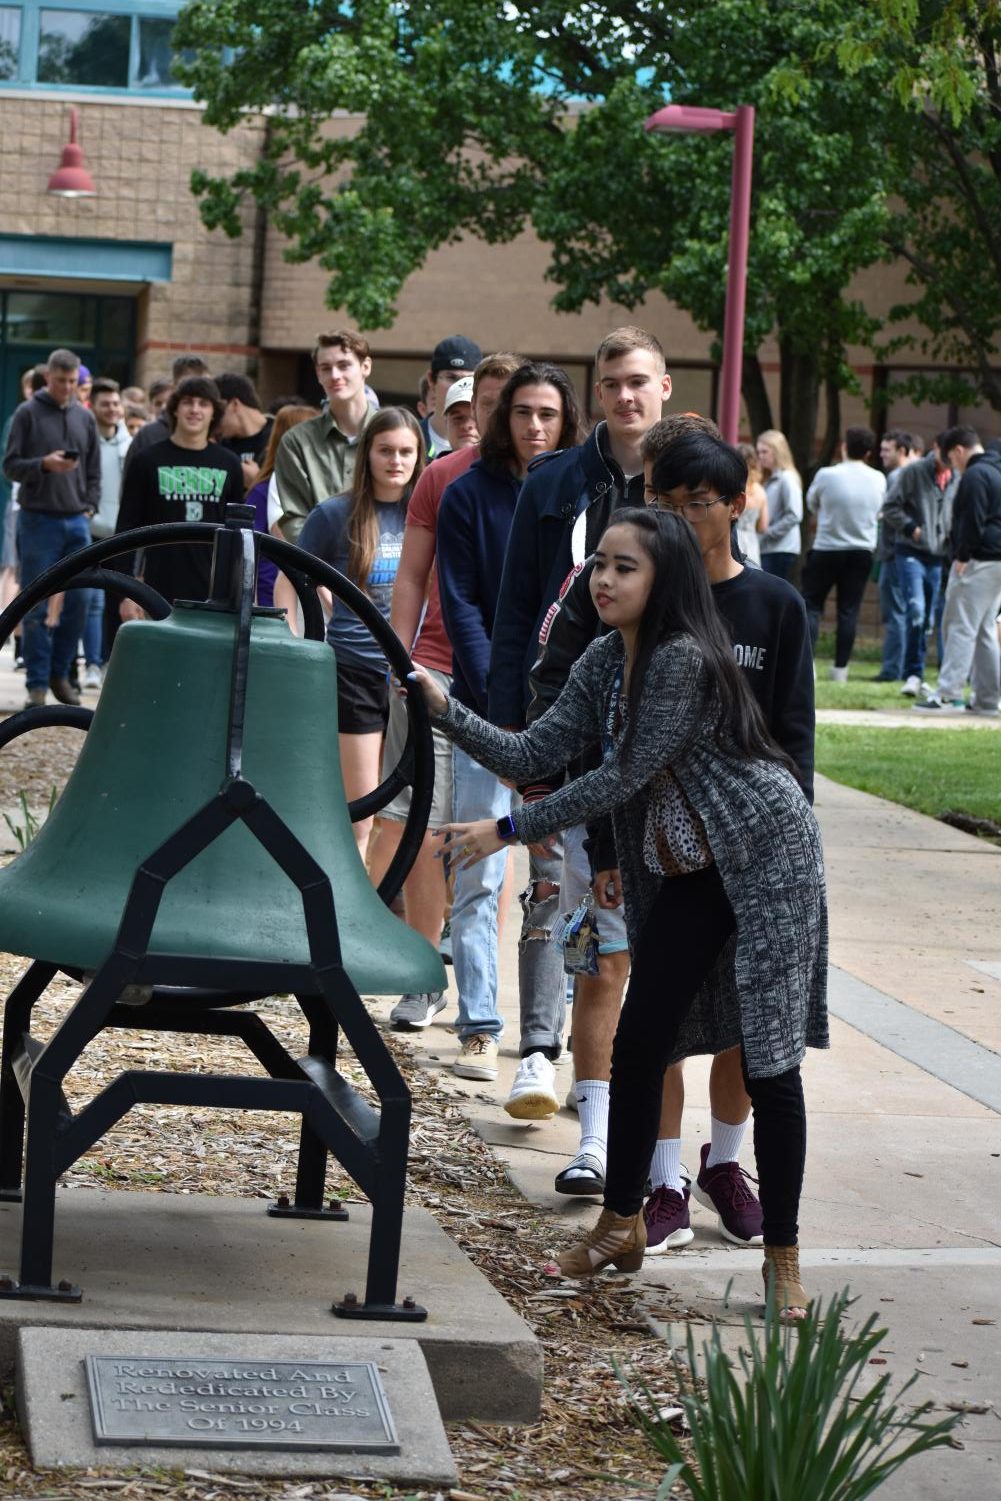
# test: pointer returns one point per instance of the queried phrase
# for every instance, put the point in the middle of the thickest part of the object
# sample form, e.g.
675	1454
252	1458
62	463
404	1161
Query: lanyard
608	728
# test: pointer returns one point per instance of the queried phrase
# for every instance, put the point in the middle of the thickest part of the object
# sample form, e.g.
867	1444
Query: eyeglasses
692	510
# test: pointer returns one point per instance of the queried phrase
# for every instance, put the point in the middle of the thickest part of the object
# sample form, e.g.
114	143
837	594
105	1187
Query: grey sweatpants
972	601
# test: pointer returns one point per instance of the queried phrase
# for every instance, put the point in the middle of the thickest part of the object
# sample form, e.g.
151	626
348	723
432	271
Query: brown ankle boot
616	1240
781	1268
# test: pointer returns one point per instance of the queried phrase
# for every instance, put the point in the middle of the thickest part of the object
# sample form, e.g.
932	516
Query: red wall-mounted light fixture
71	178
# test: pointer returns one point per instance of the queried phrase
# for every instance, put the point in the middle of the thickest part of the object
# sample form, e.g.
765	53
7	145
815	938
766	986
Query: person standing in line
102	607
159	430
781	540
767	622
973	591
415	616
260	493
753	519
244	428
452	360
896	451
317	459
710	823
31	381
537	412
52	456
361	535
846	499
562	510
920	514
185	478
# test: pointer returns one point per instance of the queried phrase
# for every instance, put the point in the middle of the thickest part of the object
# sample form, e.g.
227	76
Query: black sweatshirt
168	483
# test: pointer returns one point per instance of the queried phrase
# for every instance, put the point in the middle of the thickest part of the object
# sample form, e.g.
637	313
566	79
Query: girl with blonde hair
781	541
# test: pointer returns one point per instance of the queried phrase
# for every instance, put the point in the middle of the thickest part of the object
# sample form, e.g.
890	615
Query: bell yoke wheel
81	571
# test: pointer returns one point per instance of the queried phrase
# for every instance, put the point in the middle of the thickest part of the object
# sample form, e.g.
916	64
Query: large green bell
154	755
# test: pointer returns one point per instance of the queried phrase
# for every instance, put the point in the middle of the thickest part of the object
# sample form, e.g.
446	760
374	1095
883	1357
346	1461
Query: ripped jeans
542	987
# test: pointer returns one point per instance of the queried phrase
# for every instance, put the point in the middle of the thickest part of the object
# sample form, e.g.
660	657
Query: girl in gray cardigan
721	865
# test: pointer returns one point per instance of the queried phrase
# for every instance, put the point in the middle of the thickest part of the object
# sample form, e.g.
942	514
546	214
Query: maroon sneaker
667	1221
725	1188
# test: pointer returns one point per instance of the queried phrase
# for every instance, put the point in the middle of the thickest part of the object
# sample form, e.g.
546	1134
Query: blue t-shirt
325	535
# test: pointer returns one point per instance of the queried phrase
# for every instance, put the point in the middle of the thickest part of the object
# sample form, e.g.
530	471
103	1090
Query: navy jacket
474	520
543	547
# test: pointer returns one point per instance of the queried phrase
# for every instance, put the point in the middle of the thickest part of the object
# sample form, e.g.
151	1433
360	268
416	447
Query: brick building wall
140	154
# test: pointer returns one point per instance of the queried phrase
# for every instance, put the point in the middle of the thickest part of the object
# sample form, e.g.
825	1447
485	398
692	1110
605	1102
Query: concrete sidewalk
904	1173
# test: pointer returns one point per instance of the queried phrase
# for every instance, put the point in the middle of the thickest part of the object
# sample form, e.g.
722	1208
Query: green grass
859	692
934	771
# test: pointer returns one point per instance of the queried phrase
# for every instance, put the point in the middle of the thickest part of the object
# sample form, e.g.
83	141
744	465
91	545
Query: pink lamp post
689	117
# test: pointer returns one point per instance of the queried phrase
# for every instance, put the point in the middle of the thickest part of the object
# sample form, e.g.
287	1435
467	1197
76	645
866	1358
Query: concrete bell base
219	1265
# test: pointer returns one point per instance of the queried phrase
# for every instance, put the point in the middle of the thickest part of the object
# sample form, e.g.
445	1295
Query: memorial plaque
182	1402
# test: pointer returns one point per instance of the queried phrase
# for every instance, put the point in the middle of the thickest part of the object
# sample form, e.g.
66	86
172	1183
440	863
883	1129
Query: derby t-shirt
167	483
325	535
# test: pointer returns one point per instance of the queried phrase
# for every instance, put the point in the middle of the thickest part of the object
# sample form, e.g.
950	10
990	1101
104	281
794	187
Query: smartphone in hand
71	453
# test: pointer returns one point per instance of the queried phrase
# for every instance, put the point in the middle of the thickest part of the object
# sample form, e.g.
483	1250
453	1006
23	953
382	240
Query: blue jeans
43	540
93	628
893	613
920	584
476	793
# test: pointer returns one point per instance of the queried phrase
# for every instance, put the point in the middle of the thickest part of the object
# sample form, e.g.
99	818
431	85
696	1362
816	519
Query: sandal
616	1240
781	1268
585	1175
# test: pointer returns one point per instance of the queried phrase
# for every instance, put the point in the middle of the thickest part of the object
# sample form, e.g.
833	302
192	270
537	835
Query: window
118	44
78	46
10	41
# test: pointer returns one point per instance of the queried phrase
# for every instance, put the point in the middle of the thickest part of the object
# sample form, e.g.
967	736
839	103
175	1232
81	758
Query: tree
946	144
484	116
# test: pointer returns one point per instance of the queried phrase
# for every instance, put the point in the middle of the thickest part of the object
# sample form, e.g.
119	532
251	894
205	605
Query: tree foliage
482	117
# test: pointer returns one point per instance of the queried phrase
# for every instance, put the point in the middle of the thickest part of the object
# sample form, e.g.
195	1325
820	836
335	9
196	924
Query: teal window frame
136	10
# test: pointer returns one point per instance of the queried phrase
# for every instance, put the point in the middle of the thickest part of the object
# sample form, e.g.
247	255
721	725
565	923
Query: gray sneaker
412	1012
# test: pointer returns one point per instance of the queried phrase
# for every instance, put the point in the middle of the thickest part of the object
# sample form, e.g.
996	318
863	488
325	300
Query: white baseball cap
459	390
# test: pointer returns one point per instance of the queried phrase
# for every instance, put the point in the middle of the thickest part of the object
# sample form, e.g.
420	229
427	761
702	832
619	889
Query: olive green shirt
315	460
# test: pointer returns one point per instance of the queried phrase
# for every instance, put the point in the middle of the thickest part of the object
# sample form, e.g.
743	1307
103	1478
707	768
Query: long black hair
681	600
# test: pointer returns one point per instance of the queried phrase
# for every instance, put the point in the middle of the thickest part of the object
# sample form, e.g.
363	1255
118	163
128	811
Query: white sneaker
839	674
477	1057
912	686
533	1093
92	676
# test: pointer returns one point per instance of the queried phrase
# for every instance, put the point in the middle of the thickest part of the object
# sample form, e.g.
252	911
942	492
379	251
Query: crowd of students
620	677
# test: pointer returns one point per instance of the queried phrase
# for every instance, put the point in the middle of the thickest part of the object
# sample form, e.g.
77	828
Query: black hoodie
976	513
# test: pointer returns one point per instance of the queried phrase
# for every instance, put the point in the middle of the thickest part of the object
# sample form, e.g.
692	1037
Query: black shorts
362	700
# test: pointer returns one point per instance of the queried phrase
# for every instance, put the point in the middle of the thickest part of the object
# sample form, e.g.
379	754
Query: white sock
592	1108
665	1169
724	1144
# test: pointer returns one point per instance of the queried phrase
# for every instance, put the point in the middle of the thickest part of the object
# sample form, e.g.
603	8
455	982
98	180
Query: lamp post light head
71	178
691	117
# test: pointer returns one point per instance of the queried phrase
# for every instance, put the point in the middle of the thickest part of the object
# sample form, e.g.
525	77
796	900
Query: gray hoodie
918	503
39	427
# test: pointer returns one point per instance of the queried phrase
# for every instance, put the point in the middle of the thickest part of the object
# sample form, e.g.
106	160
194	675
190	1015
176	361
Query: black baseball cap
455	353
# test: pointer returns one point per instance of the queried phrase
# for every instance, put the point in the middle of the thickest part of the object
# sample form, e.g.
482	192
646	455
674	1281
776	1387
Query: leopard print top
674	836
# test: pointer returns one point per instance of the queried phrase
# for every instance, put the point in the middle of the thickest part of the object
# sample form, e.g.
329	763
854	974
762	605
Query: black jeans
847	570
681	940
